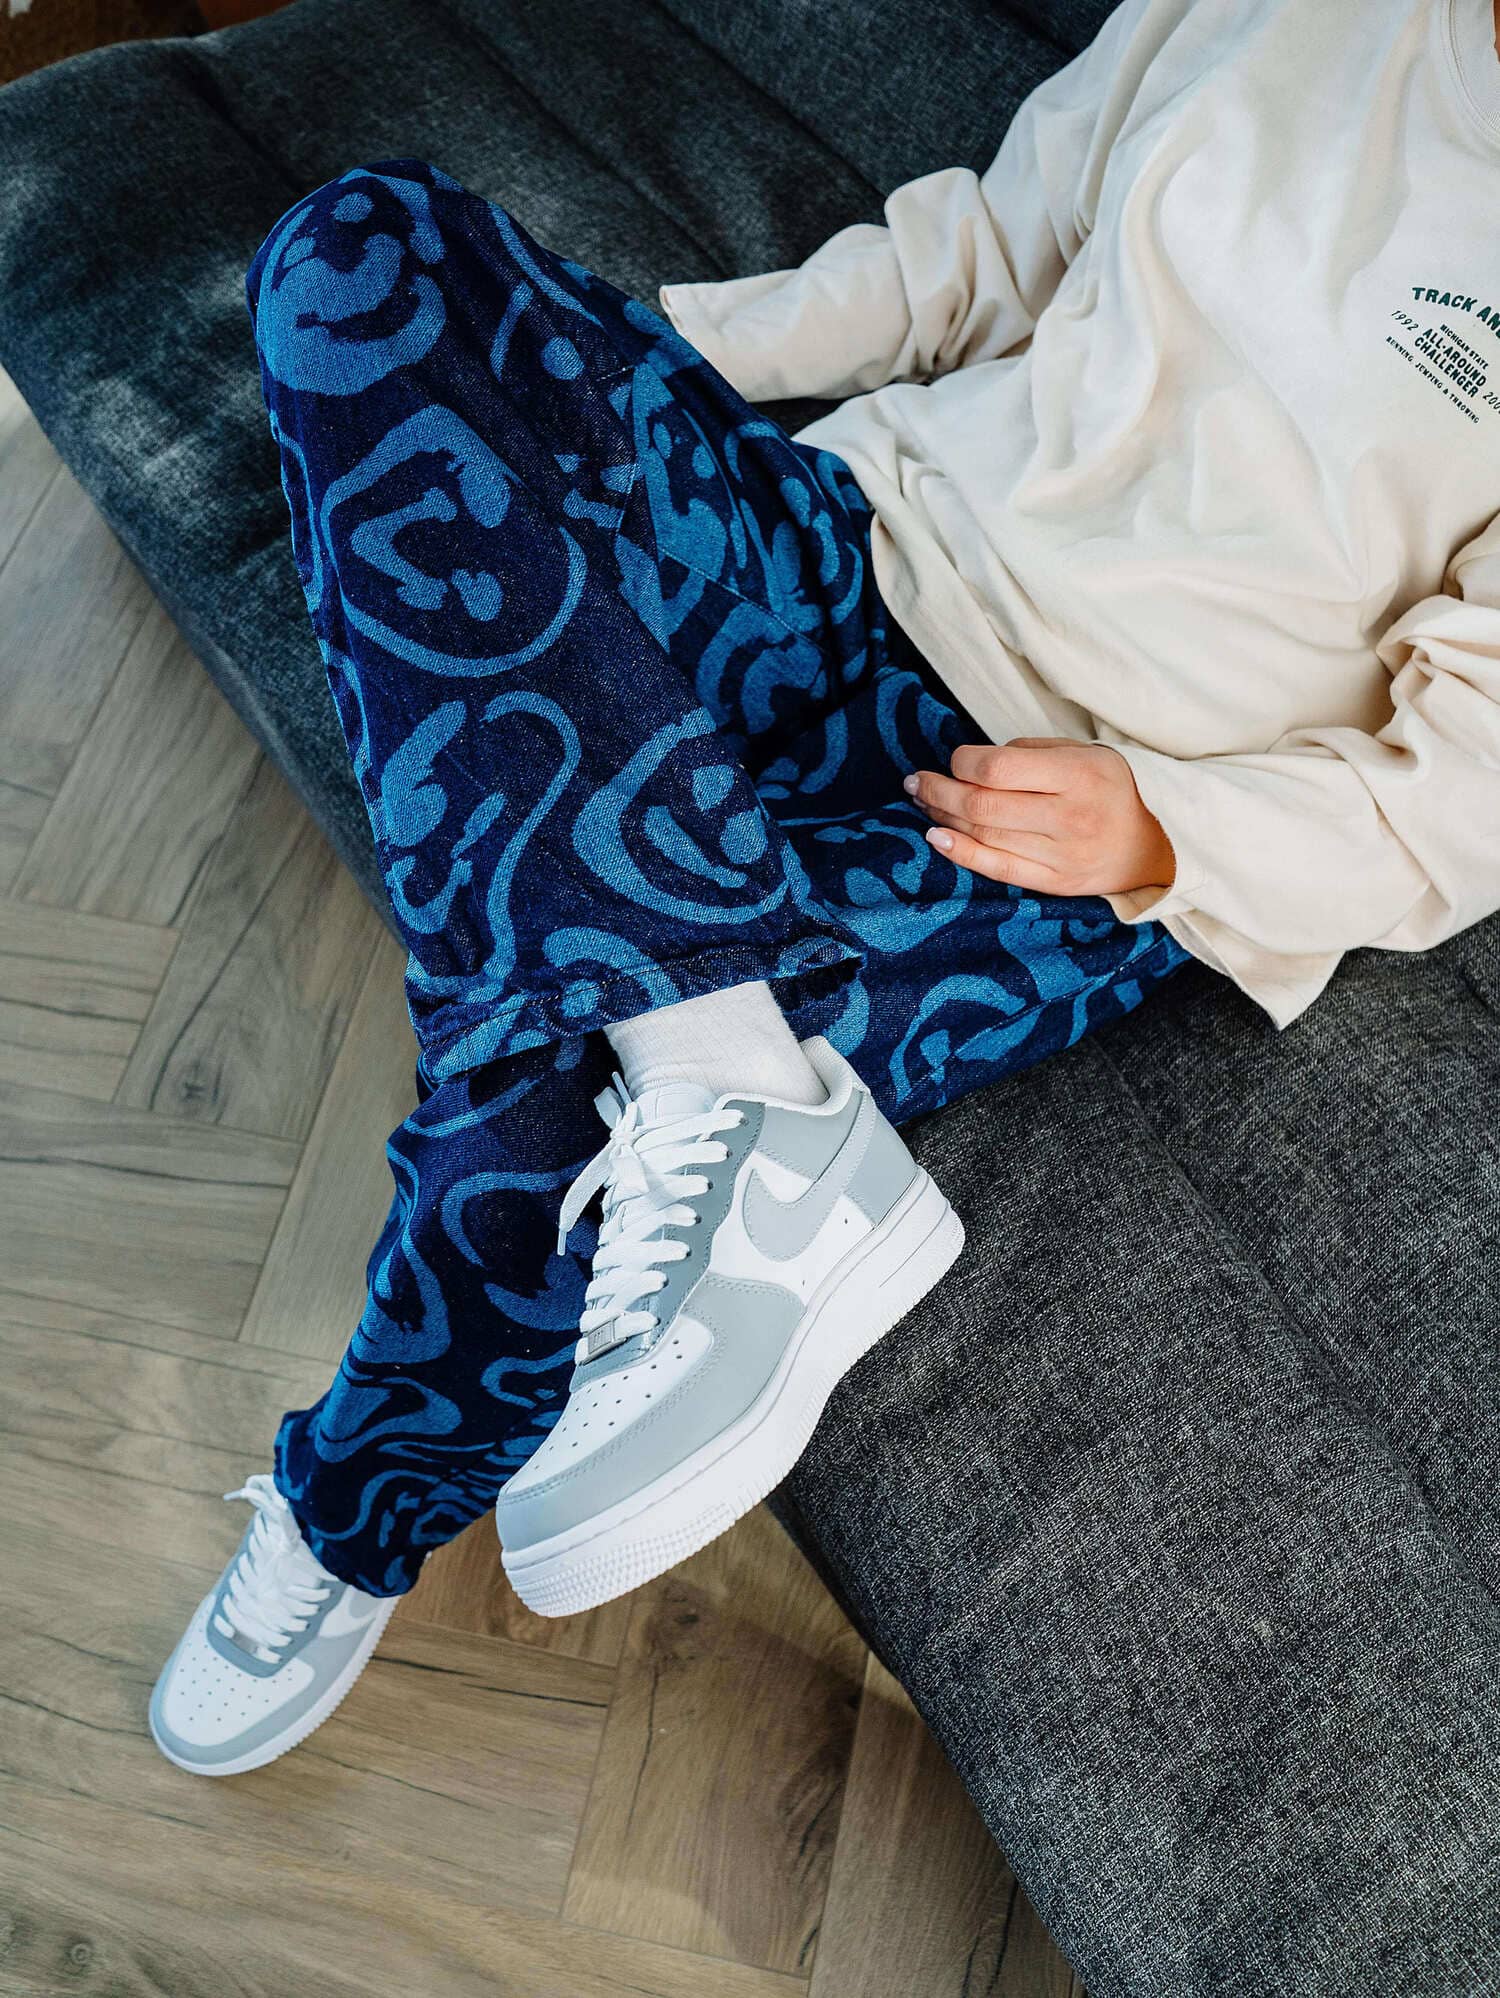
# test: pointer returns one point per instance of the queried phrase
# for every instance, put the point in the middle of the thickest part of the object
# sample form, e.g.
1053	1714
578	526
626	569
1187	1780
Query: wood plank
28	465
30	772
458	1764
73	993
70	604
134	1446
258	999
124	1487
438	1803
122	1211
184	1426
85	1409
149	792
37	1319
46	610
713	1813
51	1352
463	1587
132	1905
920	1899
311	1290
29	781
113	1463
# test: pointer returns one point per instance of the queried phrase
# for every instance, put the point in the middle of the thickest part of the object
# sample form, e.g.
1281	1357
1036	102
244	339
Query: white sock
737	1039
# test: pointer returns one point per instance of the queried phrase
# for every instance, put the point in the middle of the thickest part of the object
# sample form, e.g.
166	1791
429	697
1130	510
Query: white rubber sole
871	1291
314	1718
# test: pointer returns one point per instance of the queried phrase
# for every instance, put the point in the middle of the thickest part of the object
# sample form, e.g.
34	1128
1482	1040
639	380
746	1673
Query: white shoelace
643	1171
276	1585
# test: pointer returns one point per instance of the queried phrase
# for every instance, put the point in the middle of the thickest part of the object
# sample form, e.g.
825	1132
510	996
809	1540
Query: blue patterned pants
630	720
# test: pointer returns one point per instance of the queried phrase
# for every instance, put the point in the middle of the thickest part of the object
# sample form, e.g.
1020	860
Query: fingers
1034	813
1035	846
981	805
994	862
1030	763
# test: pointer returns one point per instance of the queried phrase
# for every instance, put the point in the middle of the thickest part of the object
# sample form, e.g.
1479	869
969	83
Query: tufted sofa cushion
1176	1507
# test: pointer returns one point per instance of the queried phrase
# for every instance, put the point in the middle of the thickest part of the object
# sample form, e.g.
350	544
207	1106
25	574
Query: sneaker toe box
206	1711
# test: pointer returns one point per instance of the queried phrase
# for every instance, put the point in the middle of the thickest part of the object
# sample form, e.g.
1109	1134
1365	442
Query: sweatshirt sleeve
964	262
1334	838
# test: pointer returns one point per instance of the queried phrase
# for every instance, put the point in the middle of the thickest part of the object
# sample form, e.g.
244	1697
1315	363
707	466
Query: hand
1060	817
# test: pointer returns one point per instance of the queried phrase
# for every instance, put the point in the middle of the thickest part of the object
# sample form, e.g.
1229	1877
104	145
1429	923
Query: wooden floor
707	1791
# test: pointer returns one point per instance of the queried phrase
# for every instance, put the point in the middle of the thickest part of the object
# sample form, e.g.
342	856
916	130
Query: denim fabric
630	721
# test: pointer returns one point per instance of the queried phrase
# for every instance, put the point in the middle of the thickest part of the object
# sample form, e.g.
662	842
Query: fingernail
909	784
941	840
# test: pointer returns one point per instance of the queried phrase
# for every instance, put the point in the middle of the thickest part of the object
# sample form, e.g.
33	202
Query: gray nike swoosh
781	1229
346	1617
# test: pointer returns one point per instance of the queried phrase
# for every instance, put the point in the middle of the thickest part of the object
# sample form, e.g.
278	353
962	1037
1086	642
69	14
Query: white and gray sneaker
270	1652
751	1250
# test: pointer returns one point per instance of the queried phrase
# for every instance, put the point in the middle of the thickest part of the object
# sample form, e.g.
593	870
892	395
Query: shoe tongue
670	1100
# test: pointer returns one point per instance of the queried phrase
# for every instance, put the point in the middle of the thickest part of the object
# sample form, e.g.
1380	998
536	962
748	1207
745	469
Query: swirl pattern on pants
630	720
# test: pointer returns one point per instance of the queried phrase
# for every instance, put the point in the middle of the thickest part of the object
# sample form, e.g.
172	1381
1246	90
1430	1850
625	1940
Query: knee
348	272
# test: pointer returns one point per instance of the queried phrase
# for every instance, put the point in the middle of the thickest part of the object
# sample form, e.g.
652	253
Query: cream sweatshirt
1181	426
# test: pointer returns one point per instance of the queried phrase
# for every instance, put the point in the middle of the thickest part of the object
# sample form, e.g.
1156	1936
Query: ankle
737	1039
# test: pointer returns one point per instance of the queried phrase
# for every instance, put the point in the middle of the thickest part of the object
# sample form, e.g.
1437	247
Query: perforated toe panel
600	1410
208	1701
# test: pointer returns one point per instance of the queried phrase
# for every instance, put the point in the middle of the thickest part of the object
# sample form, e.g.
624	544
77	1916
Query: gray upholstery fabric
1176	1506
1186	1488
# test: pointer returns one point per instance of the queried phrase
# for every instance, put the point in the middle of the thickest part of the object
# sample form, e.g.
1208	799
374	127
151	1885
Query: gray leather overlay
805	1140
885	1172
749	1325
782	1229
236	1654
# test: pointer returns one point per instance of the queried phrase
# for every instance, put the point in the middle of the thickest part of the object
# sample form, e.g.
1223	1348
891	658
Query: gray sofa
1175	1508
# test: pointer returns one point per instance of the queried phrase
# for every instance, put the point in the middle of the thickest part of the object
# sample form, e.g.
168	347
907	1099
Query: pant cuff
477	1034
